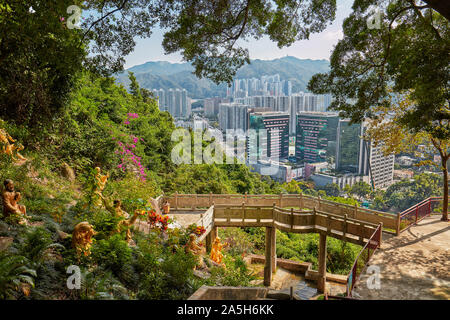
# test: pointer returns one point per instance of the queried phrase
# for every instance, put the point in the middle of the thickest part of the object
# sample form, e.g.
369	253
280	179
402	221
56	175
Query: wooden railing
295	221
390	221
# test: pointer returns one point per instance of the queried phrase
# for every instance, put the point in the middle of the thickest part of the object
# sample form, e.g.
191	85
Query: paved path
414	265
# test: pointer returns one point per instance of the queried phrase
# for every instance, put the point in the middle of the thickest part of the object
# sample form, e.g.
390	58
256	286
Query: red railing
363	258
417	212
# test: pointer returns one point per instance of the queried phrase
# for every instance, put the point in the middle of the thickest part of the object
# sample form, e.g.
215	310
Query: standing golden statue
216	251
100	183
196	250
8	147
11	206
82	238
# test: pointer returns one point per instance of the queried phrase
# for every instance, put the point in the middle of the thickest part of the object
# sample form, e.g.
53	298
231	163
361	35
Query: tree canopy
409	52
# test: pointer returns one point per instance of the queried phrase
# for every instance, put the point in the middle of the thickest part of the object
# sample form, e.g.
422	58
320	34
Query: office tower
376	165
349	146
275	145
361	157
316	137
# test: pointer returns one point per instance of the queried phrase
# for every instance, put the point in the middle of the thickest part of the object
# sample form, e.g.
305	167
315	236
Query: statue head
9	185
97	169
217	240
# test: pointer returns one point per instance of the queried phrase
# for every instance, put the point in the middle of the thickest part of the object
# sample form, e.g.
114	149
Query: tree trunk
445	203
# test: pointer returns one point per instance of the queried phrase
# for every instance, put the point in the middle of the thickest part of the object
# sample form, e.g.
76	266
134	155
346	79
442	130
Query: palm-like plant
14	275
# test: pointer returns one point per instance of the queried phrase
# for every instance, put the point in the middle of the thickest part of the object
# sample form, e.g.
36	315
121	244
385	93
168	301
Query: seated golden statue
116	208
11	206
196	250
9	148
216	251
82	238
125	223
100	183
166	207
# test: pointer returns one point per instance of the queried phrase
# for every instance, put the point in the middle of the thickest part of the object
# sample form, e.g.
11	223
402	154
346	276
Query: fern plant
14	274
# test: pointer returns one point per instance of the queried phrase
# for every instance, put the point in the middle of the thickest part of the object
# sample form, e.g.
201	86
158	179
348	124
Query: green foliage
13	274
235	274
361	189
113	253
367	62
406	193
332	190
305	248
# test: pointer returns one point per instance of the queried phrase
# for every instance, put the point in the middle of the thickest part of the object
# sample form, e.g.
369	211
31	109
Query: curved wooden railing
390	221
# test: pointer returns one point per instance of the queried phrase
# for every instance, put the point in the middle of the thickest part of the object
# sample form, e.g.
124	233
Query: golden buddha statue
11	206
216	251
82	238
195	249
125	223
100	183
9	148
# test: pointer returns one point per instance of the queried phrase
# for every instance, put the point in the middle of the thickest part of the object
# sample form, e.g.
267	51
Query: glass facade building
316	137
274	145
349	144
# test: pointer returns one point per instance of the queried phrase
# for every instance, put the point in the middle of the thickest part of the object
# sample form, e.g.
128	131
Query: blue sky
319	46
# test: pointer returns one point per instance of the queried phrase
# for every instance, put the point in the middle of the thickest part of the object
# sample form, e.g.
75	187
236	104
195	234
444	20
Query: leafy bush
112	254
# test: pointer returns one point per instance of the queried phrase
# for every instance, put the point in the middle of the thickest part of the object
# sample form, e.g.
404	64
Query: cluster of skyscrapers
270	85
323	140
175	101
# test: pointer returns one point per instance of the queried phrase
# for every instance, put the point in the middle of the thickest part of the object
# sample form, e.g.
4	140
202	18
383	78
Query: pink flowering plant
127	145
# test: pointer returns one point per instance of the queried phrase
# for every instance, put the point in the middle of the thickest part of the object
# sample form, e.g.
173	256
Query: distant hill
165	75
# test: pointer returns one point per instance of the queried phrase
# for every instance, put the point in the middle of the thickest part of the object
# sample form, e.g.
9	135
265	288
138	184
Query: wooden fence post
292	219
345	226
321	282
301	202
381	234
273	213
176	200
268	259
398	223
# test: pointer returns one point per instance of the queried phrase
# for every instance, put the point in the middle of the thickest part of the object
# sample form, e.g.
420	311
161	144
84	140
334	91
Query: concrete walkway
414	265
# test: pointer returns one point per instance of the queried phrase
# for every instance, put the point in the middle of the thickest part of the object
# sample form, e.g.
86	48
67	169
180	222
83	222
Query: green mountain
165	75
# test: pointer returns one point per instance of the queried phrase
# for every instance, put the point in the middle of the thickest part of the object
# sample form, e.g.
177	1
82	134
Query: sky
319	46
